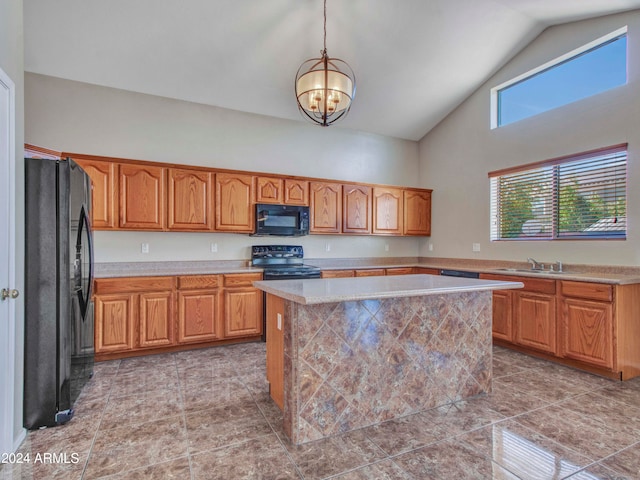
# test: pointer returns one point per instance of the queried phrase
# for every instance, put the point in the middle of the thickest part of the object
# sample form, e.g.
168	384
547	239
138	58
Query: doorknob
6	293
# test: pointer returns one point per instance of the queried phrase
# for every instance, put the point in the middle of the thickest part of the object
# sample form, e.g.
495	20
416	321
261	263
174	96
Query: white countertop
329	290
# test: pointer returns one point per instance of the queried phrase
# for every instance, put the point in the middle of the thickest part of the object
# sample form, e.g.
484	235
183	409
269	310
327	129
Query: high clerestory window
580	196
593	68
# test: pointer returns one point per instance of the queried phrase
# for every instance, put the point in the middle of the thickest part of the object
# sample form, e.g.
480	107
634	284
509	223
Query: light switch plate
476	247
144	248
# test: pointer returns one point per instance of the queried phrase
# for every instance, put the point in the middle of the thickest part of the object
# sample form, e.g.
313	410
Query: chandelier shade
325	87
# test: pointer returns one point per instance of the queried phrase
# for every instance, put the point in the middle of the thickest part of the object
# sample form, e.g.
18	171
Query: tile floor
206	414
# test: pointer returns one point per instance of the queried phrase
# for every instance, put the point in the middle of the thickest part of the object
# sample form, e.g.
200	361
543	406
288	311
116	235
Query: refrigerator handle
85	297
90	237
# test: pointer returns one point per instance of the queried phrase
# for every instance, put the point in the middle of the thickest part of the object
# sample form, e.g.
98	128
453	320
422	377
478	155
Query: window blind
577	196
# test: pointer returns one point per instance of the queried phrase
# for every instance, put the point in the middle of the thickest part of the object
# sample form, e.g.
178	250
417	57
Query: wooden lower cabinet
199	309
592	326
243	306
534	316
588	331
502	315
155	319
134	315
114	317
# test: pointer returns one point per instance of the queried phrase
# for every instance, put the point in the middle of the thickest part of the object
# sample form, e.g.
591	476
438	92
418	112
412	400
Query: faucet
535	265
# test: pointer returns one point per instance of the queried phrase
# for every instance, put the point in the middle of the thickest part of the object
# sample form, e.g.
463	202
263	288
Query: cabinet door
296	192
190	200
142	197
326	207
502	309
417	212
156	319
356	216
199	316
104	192
234	202
535	321
387	211
114	317
269	190
243	312
588	331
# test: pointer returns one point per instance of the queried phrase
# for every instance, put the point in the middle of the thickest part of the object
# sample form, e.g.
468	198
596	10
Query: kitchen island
346	353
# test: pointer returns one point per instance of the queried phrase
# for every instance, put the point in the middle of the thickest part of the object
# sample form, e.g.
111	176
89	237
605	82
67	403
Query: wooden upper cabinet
190	200
269	190
326	207
234	202
296	192
417	212
387	210
104	192
288	191
356	216
142	197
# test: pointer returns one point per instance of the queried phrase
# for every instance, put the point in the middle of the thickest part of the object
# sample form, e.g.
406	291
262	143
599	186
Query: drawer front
241	279
197	282
133	284
372	272
538	285
591	291
400	271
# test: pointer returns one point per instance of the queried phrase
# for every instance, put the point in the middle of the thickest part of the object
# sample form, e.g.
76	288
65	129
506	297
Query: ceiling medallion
325	87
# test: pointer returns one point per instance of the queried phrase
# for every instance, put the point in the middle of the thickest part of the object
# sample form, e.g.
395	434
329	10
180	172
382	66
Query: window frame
567	57
554	197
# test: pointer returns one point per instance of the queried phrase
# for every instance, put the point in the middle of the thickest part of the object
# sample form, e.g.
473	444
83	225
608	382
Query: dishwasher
459	273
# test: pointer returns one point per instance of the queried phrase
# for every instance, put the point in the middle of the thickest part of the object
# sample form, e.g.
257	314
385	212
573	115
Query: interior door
7	263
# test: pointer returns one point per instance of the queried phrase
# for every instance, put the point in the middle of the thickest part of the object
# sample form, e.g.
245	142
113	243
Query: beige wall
11	62
83	118
457	155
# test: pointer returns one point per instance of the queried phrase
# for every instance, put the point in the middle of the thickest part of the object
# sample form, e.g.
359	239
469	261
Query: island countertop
330	290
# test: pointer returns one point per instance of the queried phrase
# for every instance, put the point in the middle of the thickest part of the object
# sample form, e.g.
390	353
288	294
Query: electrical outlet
386	247
214	248
144	248
327	247
430	247
475	247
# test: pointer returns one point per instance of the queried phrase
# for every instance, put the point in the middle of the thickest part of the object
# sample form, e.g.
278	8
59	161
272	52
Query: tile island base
339	366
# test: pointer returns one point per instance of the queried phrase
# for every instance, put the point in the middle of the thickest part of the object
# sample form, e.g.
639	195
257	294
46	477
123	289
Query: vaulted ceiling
414	60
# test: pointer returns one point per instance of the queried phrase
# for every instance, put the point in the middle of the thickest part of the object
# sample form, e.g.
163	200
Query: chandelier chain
324	52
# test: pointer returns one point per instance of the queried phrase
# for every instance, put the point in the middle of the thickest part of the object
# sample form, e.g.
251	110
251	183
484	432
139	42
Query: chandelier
325	86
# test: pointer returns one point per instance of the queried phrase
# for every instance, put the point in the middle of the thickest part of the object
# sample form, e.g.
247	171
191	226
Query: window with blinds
574	197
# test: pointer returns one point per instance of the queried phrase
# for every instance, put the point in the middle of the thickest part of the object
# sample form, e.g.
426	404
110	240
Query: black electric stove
282	262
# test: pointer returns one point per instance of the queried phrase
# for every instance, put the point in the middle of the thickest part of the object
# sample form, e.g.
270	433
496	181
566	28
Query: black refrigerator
58	355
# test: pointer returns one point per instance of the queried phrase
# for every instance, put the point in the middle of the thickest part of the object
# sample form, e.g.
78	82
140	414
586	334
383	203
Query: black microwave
282	220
